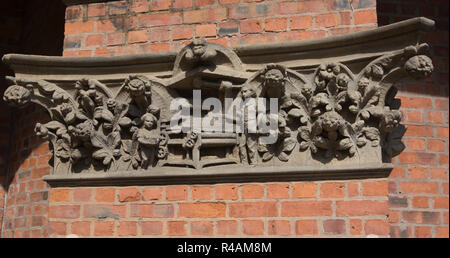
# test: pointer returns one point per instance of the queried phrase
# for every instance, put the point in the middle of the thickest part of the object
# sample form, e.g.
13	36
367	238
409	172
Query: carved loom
337	115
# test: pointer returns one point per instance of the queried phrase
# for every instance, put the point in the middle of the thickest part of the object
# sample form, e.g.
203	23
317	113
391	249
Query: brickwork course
412	202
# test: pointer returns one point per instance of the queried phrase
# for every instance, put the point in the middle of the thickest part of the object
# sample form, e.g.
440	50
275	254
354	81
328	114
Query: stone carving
329	113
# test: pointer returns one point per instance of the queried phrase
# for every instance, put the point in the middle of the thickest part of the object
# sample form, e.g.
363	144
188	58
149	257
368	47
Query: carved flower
419	67
326	73
17	96
138	87
41	131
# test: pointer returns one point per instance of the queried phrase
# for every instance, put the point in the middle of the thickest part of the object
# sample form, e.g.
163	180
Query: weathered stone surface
335	104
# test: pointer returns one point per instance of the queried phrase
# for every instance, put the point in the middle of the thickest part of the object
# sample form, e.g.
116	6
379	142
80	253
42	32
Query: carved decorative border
337	114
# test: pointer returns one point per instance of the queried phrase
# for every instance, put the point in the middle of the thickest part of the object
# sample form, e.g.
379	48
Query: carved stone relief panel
219	112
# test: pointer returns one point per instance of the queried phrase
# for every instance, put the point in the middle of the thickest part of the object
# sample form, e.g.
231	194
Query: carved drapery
336	109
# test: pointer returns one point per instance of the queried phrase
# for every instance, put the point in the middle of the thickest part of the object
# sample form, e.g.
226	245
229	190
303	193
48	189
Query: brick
64	211
176	228
226	28
279	227
102	211
226	227
438	173
355	226
228	1
182	4
441	104
57	228
201	210
441	232
38	221
159	47
138	36
129	194
419	187
311	6
306	227
199	3
182	32
253	227
94	40
346	18
151	228
152	210
82	195
105	228
326	20
420	202
127	228
365	17
205	30
158	5
139	6
201	228
443	159
105	195
334	226
79	27
397	172
276	24
159	19
416	144
417	172
59	195
226	192
204	15
252	191
96	10
159	34
150	194
353	189
74	12
440	202
253	209
377	227
435	117
416	102
300	22
71	42
417	158
306	208
304	190
332	190
442	132
419	130
115	38
422	232
394	216
81	228
277	191
251	26
361	208
436	145
176	193
412	216
117	7
202	192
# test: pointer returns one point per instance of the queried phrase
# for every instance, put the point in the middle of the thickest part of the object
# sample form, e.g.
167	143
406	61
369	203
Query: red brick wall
143	26
27	27
347	208
418	187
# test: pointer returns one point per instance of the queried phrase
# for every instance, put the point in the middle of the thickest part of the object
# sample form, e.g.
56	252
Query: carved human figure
248	144
200	52
148	137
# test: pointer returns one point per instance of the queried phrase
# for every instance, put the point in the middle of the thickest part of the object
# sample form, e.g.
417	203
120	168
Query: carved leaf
289	144
104	155
304	146
283	157
267	156
372	133
345	144
304	133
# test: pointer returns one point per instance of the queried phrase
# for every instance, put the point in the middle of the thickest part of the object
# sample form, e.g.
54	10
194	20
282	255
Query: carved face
17	96
419	66
149	121
342	81
248	92
273	78
198	47
136	88
111	104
